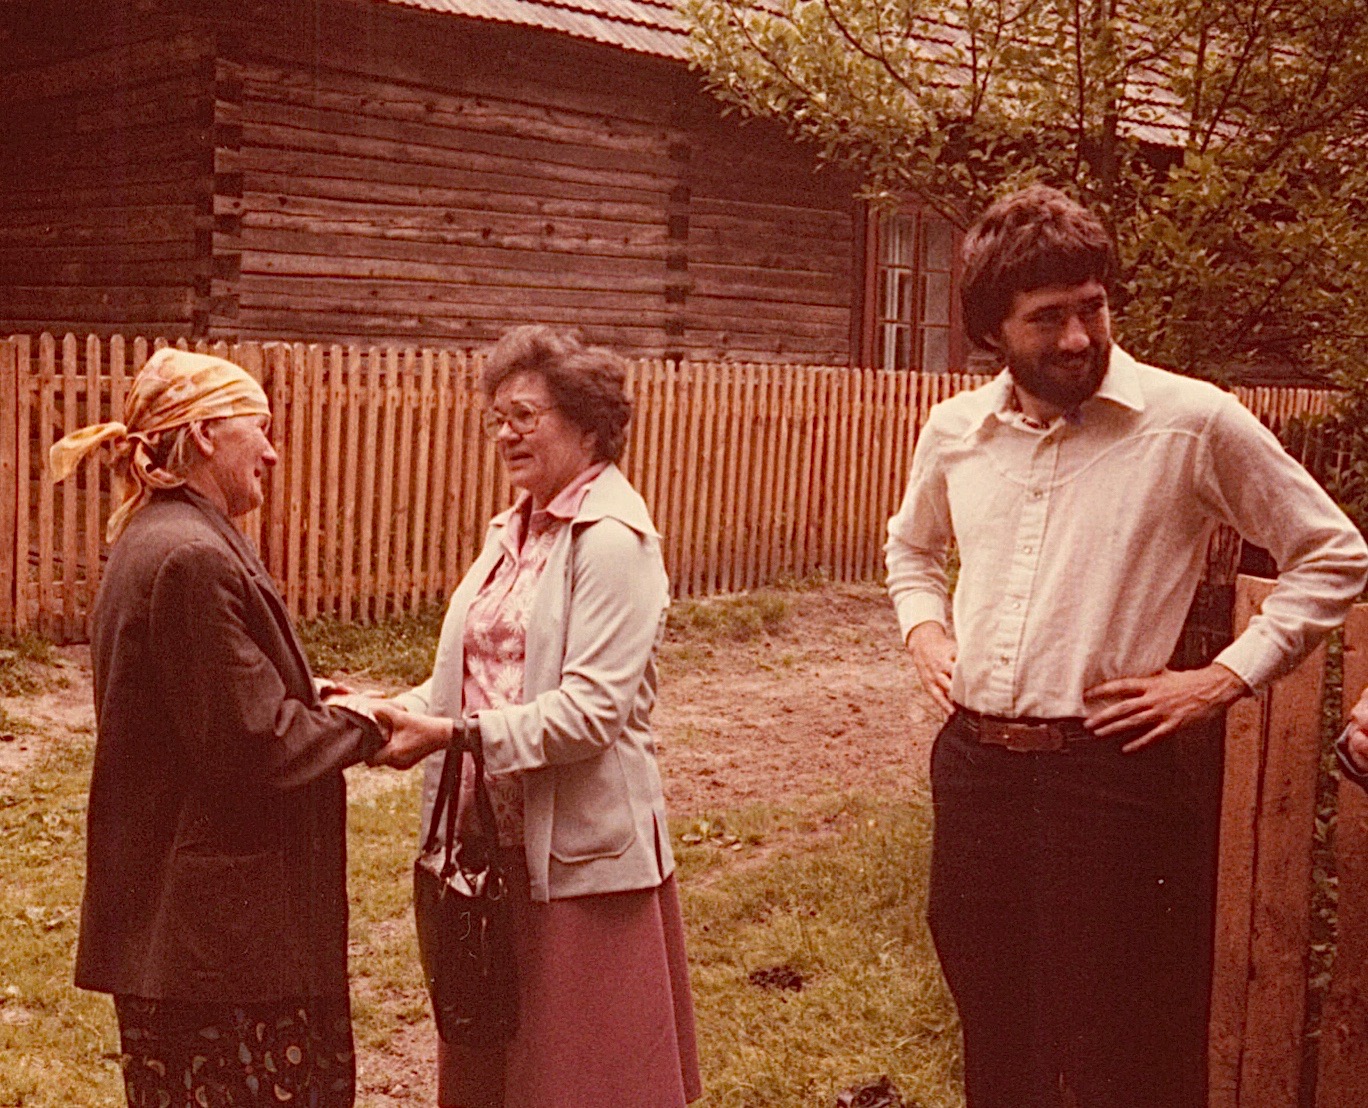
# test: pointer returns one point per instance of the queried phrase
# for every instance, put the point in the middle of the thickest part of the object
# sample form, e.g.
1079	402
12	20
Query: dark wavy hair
1032	239
587	383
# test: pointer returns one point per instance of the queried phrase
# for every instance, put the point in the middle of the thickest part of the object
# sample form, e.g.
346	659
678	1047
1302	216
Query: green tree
1224	141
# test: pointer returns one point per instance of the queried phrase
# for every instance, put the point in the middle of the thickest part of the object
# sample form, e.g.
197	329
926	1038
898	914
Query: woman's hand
412	737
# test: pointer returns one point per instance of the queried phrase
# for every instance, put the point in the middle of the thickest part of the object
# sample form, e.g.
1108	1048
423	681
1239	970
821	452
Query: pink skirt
606	1017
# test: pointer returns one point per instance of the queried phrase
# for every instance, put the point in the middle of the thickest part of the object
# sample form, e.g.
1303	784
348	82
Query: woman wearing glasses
547	663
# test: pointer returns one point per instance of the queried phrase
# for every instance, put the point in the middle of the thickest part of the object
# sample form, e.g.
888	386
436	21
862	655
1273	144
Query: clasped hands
409	736
1161	703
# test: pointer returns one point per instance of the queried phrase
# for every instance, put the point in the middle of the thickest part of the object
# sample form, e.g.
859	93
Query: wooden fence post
11	561
1263	885
1343	1060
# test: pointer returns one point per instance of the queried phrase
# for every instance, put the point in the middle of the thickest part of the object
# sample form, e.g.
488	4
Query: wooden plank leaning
1343	1061
1263	883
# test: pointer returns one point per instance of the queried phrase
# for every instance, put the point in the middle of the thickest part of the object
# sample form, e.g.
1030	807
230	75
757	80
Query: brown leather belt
1026	736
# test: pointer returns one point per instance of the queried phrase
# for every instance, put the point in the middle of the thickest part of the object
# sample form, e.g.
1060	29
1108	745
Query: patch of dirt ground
829	703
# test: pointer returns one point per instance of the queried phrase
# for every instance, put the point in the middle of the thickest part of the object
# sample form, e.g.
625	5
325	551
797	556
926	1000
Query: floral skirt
189	1055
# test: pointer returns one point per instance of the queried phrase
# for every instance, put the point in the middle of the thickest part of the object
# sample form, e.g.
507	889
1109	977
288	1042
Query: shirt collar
1120	385
564	506
605	493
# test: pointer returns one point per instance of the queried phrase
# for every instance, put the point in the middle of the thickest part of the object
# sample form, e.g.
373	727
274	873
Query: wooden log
1343	1047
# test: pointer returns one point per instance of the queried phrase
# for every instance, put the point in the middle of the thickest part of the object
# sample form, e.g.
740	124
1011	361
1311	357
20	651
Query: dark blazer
216	833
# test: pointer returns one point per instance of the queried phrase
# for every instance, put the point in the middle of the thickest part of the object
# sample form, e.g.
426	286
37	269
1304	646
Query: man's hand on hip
1356	746
1164	703
933	653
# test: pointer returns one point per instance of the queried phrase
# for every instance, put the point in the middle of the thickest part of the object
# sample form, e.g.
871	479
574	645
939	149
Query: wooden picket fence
1264	894
753	473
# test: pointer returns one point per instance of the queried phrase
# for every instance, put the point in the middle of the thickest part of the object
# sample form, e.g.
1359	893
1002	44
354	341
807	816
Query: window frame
868	338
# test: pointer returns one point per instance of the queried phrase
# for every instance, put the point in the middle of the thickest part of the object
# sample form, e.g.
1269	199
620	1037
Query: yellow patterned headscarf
173	388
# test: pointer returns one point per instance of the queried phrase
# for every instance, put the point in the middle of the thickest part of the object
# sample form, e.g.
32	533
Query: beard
1063	382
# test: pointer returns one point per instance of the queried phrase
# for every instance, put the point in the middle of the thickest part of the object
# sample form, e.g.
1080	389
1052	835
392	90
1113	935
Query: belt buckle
1023	738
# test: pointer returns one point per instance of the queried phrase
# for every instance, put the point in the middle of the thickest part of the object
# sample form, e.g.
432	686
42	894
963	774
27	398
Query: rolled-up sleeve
1253	484
919	539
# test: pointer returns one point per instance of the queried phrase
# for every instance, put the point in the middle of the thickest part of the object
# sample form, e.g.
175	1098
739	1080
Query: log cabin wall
419	177
771	246
106	172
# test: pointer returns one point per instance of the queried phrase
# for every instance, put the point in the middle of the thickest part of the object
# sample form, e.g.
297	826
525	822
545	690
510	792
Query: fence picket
315	384
68	590
94	471
11	561
48	611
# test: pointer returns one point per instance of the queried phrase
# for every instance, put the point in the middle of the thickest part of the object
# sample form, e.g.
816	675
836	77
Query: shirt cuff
1253	659
919	608
1346	763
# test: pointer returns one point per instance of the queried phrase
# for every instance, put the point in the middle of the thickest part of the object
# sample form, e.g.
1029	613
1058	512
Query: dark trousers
1065	915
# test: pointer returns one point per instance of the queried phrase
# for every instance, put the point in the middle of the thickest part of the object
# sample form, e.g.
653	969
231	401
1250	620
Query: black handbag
460	904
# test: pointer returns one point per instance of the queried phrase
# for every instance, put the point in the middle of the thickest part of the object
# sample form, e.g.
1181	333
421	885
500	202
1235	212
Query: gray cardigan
581	740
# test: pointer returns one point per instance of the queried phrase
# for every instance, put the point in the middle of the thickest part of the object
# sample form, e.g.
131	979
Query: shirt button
1016	605
1037	494
1005	660
1027	549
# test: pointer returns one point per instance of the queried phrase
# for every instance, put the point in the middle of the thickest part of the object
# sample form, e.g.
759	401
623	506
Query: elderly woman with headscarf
547	666
215	907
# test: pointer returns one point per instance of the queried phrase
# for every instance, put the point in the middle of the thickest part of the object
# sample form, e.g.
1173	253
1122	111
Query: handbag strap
448	789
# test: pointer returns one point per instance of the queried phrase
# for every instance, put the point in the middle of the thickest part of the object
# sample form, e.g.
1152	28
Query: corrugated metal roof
652	27
655	27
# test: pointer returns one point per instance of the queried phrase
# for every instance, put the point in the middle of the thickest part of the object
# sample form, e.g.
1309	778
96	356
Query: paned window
911	316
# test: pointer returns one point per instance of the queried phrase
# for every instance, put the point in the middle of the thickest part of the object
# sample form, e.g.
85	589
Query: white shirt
1081	544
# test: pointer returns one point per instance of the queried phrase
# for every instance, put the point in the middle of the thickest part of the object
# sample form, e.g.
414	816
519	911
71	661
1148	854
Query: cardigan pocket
593	811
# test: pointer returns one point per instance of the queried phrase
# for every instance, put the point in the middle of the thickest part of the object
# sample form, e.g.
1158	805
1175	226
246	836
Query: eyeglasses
522	419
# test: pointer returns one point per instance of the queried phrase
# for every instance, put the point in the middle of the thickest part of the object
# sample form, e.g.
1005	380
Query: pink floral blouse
496	635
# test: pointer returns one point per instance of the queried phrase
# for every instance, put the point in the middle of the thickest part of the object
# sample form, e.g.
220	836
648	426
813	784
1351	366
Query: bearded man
1081	488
